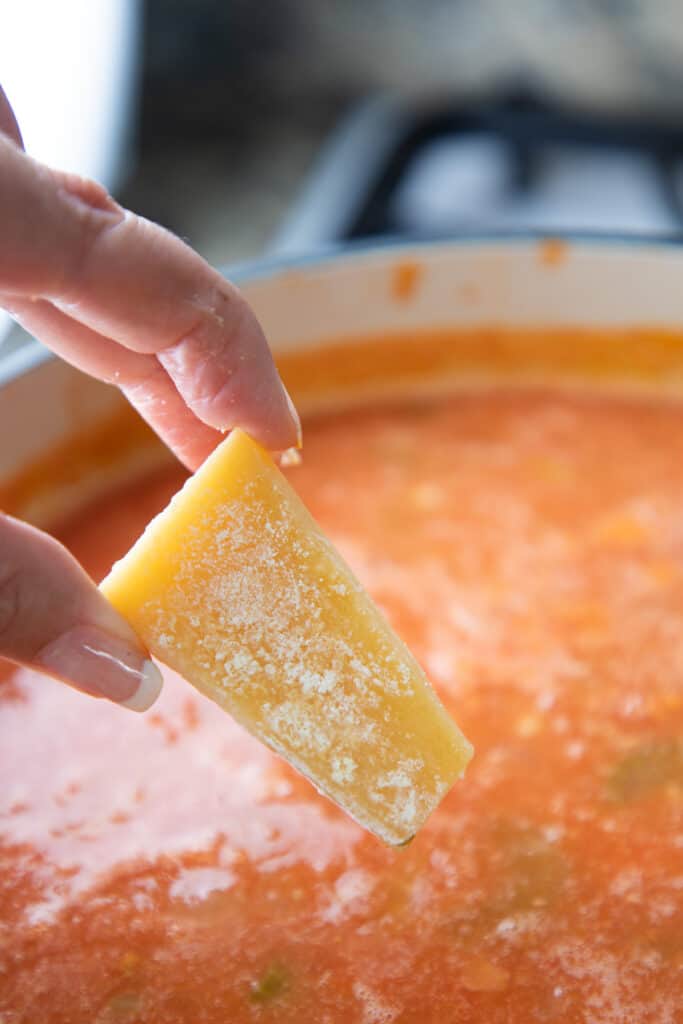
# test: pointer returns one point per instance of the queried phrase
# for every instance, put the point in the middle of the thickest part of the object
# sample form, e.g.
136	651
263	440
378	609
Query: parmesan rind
235	587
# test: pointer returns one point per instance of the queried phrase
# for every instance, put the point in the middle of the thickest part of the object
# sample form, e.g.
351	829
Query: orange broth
167	868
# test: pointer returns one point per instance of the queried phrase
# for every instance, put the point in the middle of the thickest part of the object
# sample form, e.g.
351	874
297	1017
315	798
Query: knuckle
201	376
212	392
94	225
211	362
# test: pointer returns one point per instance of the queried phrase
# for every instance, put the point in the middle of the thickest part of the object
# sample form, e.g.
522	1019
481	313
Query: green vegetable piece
534	871
654	764
270	985
121	1007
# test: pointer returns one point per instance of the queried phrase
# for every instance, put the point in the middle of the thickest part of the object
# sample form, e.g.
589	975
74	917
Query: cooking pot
345	327
67	439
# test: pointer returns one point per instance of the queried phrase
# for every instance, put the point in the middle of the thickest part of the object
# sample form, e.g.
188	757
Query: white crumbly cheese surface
267	620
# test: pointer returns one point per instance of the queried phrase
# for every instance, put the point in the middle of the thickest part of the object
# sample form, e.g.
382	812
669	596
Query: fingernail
148	690
295	417
103	665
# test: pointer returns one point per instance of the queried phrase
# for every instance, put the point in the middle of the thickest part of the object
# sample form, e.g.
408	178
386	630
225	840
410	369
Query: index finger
66	240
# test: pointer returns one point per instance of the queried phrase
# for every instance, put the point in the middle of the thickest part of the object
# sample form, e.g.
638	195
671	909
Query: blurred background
289	125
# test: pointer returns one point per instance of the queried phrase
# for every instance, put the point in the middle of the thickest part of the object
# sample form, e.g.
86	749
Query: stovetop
516	163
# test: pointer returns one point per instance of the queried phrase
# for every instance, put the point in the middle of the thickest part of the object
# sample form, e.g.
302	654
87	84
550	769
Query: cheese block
236	588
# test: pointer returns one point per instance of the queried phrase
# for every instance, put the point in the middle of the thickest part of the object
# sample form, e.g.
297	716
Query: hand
127	302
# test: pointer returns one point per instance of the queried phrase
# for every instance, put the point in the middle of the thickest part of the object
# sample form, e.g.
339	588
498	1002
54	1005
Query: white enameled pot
357	293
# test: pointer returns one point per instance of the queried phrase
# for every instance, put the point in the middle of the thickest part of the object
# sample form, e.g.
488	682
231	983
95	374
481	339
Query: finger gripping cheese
236	588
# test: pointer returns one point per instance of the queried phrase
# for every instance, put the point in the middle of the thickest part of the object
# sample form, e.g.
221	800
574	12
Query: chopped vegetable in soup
168	868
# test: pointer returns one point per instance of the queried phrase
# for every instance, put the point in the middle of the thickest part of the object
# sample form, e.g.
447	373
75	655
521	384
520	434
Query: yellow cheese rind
236	588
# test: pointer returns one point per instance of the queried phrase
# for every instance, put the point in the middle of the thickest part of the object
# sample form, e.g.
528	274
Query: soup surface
168	868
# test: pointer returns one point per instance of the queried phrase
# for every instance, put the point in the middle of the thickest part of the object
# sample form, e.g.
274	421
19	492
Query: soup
167	868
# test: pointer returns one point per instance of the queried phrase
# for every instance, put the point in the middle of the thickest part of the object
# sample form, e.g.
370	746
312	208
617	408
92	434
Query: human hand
130	304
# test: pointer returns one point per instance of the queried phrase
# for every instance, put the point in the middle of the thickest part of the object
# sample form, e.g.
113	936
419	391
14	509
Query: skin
130	304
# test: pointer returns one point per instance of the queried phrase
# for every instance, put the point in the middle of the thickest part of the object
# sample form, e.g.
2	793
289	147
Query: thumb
54	619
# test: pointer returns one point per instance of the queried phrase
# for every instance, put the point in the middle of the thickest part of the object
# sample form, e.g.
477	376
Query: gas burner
512	164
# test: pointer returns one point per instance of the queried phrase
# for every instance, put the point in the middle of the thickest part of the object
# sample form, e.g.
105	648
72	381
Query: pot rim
337	252
33	354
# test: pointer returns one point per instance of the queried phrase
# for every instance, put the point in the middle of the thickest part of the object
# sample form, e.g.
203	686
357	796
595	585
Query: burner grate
513	163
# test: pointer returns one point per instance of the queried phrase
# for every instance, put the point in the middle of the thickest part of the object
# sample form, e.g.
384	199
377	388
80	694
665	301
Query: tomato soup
167	868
